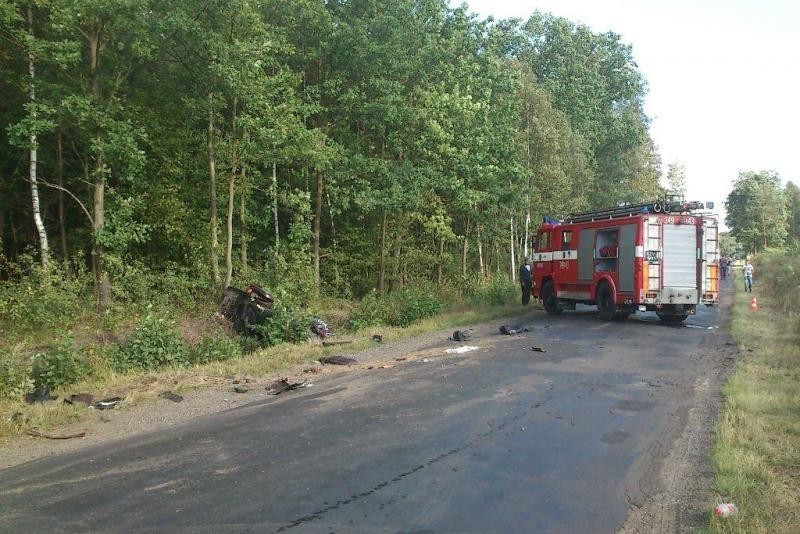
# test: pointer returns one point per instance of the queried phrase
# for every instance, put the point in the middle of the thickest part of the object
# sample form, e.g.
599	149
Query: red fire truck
659	256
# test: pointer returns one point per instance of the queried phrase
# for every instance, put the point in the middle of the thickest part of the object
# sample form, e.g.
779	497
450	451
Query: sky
723	79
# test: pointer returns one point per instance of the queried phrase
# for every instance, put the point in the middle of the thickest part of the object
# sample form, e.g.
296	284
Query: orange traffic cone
754	305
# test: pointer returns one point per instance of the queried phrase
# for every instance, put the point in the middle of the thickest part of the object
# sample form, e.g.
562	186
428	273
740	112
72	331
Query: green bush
15	373
285	325
412	304
400	308
154	343
36	298
371	311
215	348
496	291
777	275
58	367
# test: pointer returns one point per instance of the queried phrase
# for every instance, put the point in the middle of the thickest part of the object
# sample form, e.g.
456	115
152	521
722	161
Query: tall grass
757	452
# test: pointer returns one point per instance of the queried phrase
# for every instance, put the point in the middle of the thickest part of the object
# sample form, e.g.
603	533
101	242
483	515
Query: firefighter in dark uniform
525	280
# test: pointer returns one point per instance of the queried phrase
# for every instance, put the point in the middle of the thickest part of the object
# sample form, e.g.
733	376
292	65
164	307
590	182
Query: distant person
525	280
747	270
723	262
726	268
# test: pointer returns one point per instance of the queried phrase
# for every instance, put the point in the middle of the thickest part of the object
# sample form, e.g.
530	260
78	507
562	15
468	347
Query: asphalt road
503	439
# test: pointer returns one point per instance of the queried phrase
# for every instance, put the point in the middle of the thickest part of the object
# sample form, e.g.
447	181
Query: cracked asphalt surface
502	439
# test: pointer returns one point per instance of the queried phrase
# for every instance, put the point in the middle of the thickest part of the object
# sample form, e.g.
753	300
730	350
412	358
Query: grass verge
756	456
136	387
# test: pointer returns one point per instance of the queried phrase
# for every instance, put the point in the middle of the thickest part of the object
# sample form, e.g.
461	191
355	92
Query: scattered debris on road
461	350
400	359
282	384
108	404
725	509
320	329
174	397
377	338
461	335
35	432
386	366
337	360
240	389
83	398
312	370
510	330
538	349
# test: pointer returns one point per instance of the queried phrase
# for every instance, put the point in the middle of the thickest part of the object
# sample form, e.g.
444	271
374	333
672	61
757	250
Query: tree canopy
335	147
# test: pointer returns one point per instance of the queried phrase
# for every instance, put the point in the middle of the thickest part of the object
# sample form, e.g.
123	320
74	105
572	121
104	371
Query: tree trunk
441	260
61	206
37	215
513	246
275	207
527	226
480	252
243	219
212	174
382	258
397	282
231	191
333	239
464	249
317	227
102	280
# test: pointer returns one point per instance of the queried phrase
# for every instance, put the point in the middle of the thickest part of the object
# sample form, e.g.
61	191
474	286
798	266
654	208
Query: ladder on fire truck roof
629	210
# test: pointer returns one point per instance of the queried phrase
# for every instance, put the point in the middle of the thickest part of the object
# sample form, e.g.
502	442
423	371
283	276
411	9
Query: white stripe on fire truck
558	255
640	251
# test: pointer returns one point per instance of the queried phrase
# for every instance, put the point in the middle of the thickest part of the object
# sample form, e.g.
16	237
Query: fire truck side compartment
586	254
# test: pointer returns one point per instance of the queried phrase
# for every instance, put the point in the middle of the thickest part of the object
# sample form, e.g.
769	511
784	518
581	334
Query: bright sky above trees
723	78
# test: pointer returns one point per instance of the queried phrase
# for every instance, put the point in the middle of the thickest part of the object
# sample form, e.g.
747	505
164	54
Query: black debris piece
538	349
240	389
320	329
174	397
108	404
377	337
461	335
281	385
83	398
39	395
510	330
338	360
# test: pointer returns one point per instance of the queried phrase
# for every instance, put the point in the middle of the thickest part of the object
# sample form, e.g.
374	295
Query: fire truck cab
659	256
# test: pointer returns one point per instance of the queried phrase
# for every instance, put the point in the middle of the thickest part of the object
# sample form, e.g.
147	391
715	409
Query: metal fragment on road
461	350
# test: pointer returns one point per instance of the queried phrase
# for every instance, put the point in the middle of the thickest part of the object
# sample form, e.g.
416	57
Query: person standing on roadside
525	280
747	270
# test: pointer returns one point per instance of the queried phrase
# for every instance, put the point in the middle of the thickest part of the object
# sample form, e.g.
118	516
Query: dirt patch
685	477
137	416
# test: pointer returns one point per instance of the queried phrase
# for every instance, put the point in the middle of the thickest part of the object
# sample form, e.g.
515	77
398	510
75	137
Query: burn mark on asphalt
617	436
635	405
472	442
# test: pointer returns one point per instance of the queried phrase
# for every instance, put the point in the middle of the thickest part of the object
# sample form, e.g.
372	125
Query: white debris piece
461	350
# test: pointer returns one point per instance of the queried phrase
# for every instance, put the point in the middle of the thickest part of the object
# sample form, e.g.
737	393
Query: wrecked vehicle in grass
246	309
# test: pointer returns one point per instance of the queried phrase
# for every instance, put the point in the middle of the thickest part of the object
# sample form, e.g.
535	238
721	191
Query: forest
329	147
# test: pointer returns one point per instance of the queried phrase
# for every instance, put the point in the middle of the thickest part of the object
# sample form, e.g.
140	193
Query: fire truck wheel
549	299
672	319
605	302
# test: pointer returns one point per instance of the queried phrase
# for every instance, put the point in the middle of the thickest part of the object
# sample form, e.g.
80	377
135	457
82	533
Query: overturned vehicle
246	309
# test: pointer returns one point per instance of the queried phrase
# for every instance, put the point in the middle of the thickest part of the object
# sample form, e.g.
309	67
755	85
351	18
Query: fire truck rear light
709	296
651	295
